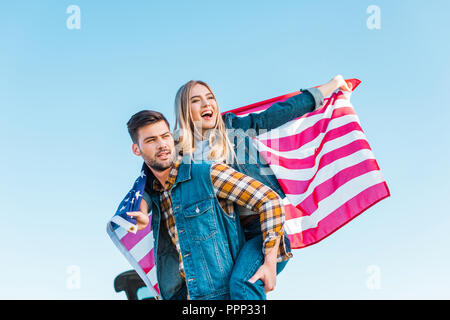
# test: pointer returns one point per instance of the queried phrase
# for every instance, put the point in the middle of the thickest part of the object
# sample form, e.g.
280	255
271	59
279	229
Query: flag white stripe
152	275
334	201
120	232
307	149
331	145
328	172
308	174
296	126
142	247
124	223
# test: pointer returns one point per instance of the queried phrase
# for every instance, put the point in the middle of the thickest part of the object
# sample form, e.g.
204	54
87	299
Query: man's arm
245	191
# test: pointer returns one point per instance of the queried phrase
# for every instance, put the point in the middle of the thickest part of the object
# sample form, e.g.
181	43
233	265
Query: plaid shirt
165	201
231	187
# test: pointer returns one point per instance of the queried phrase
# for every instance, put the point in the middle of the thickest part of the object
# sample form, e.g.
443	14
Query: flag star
142	174
123	208
138	194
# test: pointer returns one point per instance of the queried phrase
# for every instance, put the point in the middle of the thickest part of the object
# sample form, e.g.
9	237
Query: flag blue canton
130	203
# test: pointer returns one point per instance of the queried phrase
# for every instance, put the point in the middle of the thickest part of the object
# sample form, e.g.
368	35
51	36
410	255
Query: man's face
156	146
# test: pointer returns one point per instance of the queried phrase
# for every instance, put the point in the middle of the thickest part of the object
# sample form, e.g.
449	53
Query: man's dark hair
141	119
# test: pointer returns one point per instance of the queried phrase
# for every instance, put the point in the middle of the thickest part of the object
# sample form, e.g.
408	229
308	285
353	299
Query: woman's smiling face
203	107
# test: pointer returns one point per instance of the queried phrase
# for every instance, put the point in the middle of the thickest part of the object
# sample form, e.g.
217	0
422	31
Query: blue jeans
248	262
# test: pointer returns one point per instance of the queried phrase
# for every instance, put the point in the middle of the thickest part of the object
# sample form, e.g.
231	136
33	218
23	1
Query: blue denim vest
209	238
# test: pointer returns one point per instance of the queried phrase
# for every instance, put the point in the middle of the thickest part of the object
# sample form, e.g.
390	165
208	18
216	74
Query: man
197	234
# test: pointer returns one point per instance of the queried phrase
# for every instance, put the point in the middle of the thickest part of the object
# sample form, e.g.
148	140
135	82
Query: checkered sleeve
245	191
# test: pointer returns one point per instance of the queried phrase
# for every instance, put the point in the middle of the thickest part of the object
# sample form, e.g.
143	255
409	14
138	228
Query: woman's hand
337	82
341	83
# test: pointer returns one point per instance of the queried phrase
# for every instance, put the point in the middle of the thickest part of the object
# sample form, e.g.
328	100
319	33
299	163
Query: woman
207	135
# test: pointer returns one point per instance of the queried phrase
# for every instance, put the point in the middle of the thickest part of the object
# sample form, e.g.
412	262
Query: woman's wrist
332	85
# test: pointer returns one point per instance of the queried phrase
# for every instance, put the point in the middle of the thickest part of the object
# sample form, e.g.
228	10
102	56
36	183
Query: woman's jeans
248	262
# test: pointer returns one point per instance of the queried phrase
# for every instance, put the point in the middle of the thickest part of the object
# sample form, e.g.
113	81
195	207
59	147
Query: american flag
322	161
324	165
136	246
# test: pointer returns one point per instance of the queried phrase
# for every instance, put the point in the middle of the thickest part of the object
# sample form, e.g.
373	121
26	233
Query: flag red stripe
342	152
293	142
329	186
148	261
341	216
309	162
272	158
309	204
262	105
130	239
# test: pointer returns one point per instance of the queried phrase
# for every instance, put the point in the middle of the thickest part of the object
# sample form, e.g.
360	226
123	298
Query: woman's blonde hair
187	133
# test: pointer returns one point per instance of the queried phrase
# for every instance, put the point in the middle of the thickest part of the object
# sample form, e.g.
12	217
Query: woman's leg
248	262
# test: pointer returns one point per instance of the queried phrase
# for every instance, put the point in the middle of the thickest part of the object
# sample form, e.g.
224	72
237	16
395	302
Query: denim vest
209	238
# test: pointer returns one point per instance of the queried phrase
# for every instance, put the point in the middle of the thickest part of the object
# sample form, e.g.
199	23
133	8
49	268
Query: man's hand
141	218
268	271
268	275
141	215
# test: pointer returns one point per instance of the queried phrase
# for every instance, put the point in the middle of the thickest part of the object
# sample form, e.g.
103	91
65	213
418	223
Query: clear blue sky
66	161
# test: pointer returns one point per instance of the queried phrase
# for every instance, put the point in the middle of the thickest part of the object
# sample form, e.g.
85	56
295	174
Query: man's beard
158	166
